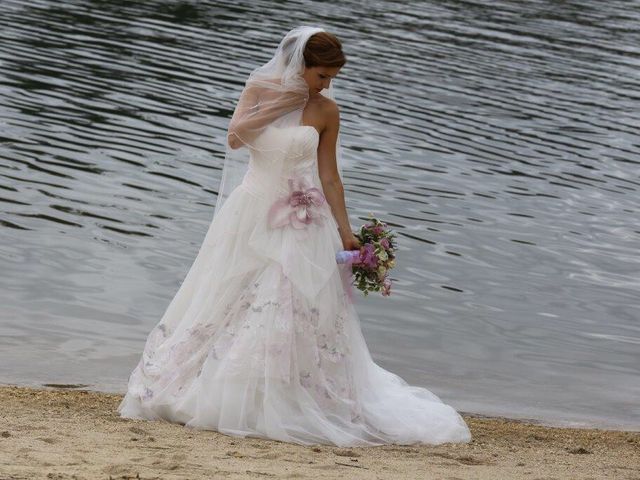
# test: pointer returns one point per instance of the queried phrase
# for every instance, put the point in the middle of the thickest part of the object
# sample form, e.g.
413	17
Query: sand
58	433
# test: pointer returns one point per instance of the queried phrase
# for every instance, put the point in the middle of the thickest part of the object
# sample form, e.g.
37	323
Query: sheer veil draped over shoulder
262	338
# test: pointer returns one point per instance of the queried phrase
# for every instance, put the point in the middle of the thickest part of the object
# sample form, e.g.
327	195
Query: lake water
500	140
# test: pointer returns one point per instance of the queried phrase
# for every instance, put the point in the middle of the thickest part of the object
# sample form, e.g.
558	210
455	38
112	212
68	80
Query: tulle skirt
261	340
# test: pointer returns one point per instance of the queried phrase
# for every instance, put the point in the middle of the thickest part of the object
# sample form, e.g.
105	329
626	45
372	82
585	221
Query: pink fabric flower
300	208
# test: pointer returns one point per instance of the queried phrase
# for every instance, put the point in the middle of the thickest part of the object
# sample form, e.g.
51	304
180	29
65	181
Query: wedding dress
262	340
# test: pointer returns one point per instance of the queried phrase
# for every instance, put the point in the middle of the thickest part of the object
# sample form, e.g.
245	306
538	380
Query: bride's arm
329	174
247	104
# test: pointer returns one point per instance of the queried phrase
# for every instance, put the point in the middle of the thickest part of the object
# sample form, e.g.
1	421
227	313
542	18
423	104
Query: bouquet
370	264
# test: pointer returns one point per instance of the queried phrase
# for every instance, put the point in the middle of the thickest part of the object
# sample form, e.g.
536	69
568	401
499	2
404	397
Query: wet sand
58	433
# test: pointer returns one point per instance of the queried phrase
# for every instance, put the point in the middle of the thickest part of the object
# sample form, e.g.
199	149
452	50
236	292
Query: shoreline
67	433
580	424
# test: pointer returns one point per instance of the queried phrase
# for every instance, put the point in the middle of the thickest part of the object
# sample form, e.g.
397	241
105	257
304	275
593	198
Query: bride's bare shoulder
328	109
329	104
331	113
323	113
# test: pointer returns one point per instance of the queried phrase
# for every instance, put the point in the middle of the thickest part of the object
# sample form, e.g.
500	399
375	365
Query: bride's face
319	78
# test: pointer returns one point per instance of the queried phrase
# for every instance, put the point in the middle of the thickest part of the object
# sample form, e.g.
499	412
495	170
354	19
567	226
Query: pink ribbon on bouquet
299	209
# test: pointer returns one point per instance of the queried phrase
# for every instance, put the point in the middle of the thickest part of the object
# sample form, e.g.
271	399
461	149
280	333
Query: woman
262	339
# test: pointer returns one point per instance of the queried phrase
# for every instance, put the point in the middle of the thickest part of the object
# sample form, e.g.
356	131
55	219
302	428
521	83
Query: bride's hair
323	49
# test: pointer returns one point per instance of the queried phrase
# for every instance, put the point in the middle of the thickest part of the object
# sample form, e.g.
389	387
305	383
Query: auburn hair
323	49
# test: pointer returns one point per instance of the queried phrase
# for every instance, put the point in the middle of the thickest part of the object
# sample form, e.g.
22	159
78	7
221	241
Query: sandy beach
58	433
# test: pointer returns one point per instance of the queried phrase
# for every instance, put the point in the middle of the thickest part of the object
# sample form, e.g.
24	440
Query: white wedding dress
261	339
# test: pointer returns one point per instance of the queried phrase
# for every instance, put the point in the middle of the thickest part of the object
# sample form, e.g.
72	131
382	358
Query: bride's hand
351	242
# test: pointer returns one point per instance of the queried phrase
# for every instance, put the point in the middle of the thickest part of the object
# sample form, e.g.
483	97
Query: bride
262	339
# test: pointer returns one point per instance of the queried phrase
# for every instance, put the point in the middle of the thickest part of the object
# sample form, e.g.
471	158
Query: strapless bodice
279	154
